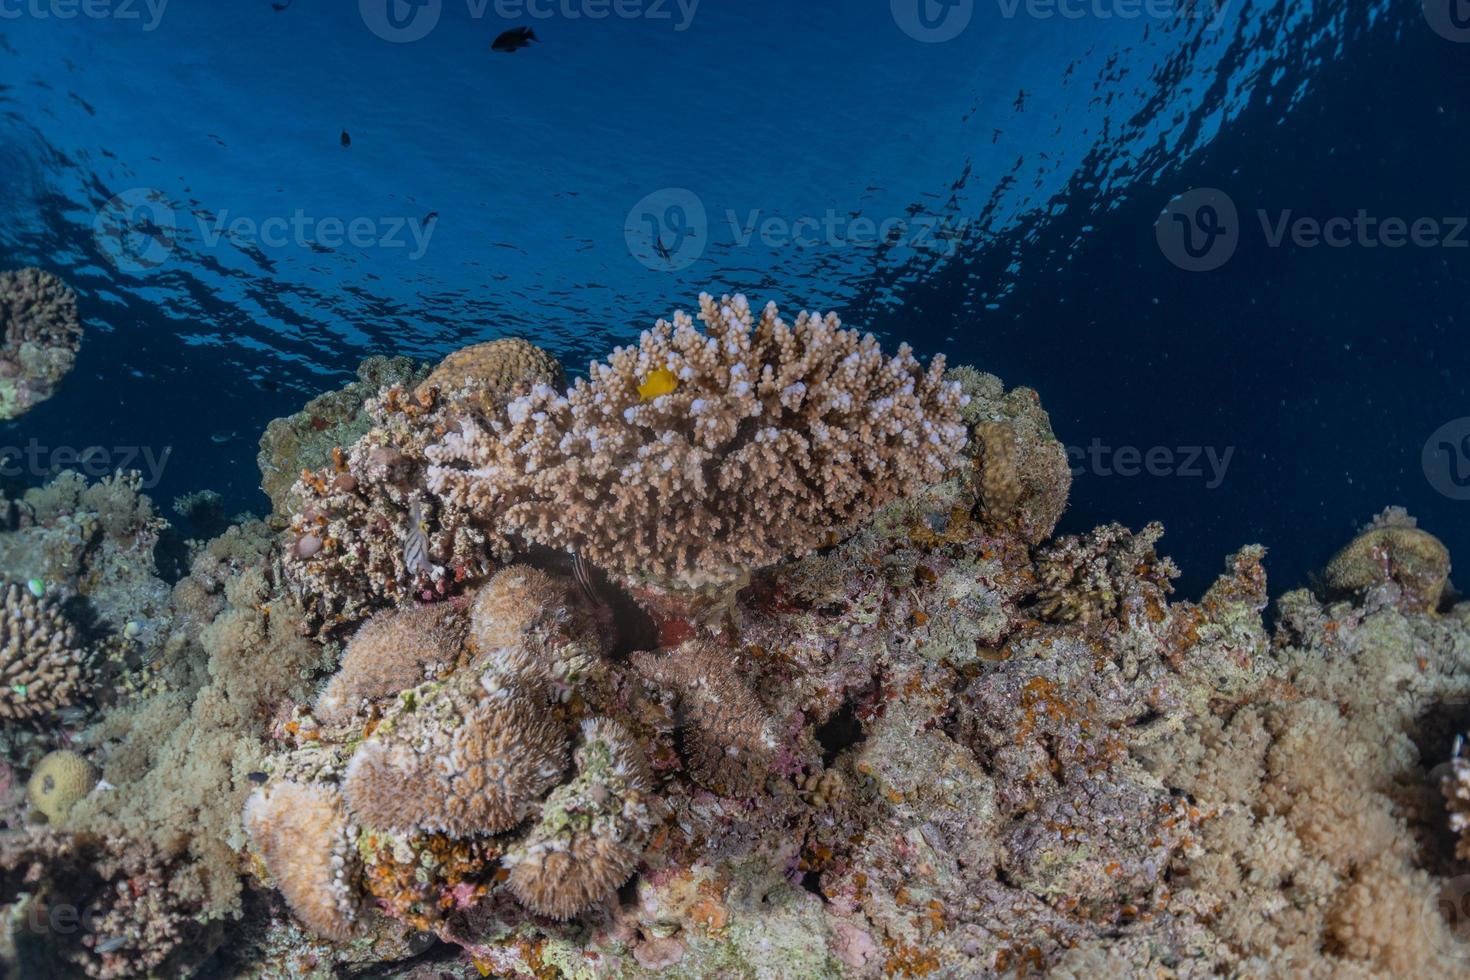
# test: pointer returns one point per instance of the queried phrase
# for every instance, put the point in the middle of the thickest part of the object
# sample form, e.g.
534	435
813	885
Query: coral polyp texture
43	666
471	756
1392	549
699	455
303	836
592	830
392	652
39	337
495	371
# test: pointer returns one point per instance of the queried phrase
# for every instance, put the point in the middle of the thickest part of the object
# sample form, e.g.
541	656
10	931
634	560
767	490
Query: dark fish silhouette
513	40
278	7
346	140
257	777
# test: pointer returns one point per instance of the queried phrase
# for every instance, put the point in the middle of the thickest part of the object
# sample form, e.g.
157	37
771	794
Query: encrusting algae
772	666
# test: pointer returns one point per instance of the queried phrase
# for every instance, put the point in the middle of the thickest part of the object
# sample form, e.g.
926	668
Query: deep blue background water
1021	165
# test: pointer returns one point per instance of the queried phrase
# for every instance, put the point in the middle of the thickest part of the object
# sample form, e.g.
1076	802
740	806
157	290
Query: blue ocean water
982	178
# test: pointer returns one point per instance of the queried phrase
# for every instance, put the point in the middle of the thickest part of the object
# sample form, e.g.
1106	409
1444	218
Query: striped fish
416	545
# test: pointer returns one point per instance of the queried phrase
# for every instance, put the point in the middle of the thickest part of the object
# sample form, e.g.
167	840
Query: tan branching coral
727	737
391	652
1392	549
42	665
496	371
39	337
1084	579
592	830
697	456
472	756
303	836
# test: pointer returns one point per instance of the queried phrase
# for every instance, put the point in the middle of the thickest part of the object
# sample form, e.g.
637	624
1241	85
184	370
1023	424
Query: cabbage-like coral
496	371
1084	578
39	337
727	737
43	667
471	756
1392	549
695	457
592	830
302	833
392	652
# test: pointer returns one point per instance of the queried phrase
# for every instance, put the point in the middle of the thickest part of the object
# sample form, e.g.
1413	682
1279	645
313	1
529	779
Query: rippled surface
991	195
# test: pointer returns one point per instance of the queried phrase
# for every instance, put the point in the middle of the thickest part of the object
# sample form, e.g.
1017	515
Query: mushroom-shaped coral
61	778
497	370
40	333
592	830
727	736
525	621
695	457
1392	548
304	837
42	665
392	652
471	756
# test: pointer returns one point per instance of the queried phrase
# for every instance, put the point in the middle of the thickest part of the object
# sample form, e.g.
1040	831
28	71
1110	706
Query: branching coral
471	756
392	652
39	337
1085	578
698	456
366	533
592	830
303	835
43	667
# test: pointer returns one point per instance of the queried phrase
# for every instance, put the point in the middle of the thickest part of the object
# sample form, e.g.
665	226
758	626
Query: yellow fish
660	382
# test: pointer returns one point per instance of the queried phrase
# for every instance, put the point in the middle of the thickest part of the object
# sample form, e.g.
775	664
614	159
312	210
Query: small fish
660	382
256	777
662	249
346	139
220	438
278	7
416	546
513	40
583	578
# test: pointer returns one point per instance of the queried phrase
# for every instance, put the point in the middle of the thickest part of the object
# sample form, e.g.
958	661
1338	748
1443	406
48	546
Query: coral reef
770	439
39	337
305	440
43	667
61	779
923	737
